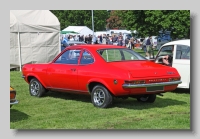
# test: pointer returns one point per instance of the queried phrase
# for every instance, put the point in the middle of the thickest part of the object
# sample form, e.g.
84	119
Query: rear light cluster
12	95
174	79
135	82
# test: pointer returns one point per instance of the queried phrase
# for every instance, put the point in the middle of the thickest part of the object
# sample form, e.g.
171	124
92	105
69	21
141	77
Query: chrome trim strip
150	85
66	90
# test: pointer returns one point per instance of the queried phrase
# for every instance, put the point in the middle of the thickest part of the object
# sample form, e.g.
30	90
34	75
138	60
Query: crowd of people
114	39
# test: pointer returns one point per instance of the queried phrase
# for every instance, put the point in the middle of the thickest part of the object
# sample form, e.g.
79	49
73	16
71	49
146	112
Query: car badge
170	72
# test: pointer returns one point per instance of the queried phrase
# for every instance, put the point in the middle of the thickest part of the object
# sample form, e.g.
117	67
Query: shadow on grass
160	102
16	115
130	103
181	91
69	96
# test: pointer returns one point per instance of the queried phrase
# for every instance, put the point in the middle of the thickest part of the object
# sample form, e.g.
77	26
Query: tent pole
20	62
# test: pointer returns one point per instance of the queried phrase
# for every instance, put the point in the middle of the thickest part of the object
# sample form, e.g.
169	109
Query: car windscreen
119	54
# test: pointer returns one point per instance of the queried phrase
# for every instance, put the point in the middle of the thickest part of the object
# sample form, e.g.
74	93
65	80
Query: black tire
36	88
101	97
147	98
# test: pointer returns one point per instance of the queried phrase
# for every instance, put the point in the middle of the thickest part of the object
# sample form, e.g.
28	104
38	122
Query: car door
181	62
164	50
62	73
87	70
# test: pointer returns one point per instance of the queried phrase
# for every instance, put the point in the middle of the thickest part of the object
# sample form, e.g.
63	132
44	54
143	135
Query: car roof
96	46
185	42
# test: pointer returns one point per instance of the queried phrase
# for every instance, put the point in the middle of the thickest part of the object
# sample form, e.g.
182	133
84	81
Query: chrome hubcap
99	97
34	88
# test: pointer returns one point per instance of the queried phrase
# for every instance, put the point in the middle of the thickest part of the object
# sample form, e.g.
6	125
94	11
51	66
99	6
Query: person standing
110	40
144	48
94	40
100	39
126	42
104	39
120	41
149	47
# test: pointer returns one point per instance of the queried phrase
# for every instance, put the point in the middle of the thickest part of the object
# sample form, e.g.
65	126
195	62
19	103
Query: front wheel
36	88
101	97
147	98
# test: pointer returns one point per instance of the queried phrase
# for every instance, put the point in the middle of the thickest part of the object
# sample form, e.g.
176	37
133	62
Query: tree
81	18
113	21
150	22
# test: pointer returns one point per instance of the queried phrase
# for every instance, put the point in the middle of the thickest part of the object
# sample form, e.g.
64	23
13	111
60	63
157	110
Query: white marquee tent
34	37
82	30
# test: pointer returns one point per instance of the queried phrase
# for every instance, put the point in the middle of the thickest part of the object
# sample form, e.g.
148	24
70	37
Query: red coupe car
102	71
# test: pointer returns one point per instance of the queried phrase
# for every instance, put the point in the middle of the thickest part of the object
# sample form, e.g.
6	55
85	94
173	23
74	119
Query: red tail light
12	95
174	79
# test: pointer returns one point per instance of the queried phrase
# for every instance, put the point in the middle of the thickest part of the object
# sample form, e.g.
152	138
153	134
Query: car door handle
73	69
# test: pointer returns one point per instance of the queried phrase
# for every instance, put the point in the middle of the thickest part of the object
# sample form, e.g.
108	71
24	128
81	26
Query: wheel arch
31	76
94	82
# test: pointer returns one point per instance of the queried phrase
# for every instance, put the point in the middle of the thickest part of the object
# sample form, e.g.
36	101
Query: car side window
166	50
182	52
86	58
69	57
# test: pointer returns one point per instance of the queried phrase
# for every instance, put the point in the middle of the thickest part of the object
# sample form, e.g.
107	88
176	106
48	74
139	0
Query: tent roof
75	28
79	29
68	32
33	21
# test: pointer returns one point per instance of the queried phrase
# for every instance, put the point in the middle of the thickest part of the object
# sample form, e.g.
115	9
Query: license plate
155	88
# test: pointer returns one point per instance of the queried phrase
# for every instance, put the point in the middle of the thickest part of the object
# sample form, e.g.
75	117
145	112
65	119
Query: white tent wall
34	37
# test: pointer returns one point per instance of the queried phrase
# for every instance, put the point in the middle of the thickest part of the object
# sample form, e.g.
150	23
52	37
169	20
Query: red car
102	71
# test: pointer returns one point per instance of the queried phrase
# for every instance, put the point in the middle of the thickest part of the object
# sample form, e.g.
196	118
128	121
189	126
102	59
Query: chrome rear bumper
13	102
151	85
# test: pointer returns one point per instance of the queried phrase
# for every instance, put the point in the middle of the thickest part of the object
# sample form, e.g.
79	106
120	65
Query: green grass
142	52
71	111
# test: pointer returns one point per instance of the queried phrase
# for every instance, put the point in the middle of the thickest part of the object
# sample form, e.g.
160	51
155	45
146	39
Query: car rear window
115	54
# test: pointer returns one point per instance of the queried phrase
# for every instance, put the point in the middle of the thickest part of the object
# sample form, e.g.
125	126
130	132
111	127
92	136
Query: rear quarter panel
104	74
38	71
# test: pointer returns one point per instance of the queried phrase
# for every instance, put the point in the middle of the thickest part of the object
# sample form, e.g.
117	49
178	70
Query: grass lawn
71	111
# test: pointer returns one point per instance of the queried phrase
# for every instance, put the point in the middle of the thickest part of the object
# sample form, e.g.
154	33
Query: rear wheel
147	98
36	88
101	97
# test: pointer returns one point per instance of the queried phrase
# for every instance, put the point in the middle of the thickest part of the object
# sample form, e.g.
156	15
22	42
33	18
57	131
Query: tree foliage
150	22
81	18
114	22
145	22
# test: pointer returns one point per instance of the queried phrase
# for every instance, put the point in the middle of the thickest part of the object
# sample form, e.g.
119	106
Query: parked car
102	71
71	43
13	100
180	52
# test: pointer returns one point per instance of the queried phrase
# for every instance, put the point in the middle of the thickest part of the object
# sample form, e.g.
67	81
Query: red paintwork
61	77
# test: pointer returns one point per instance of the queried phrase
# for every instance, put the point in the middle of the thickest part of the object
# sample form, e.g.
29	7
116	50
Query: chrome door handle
73	69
